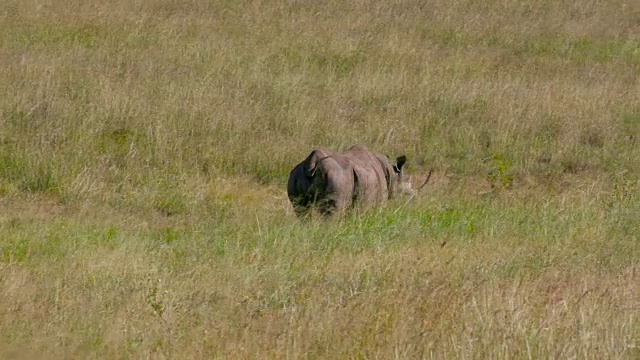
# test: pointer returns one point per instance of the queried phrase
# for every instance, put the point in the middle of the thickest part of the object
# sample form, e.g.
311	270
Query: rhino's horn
426	181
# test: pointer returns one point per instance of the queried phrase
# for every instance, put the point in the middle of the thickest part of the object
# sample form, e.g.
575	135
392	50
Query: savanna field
145	148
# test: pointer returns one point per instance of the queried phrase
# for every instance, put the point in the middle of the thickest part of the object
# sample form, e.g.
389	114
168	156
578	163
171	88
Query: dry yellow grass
144	148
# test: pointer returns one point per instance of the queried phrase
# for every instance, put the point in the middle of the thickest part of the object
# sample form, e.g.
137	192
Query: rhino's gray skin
333	182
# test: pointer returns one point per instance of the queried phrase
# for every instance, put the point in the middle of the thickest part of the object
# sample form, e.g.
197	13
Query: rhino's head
398	184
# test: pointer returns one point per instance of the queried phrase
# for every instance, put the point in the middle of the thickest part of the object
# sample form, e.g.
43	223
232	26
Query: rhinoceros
332	182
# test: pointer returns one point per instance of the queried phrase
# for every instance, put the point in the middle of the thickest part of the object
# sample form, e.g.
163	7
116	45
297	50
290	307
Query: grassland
145	147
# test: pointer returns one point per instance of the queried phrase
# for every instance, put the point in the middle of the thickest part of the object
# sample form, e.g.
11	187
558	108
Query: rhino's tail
354	193
314	159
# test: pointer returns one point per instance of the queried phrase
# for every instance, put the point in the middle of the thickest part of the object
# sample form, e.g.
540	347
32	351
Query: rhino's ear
399	163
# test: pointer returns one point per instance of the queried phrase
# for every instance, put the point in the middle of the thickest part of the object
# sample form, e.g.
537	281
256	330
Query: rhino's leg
327	207
302	211
338	195
301	205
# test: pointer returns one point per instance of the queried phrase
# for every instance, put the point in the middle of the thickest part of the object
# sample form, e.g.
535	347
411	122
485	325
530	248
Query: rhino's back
371	181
